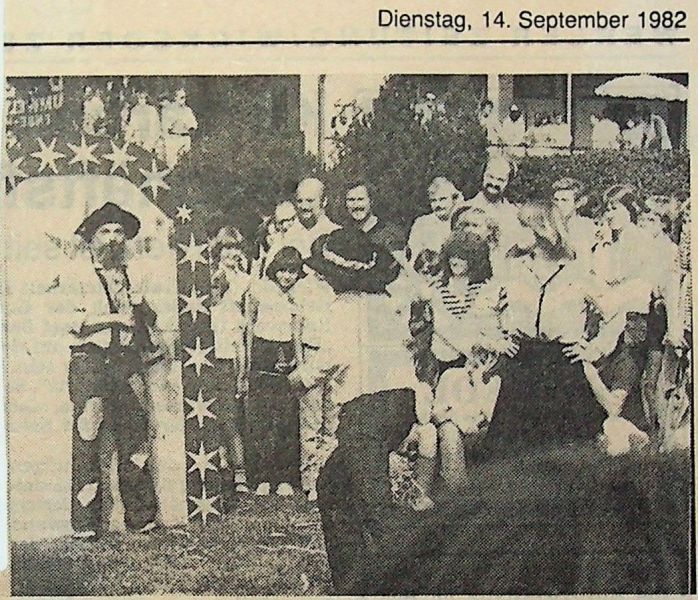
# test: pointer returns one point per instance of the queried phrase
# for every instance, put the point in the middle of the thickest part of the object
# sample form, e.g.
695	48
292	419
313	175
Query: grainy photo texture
379	334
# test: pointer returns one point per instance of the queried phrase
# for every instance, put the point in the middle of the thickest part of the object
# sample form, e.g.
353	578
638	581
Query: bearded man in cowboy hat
109	336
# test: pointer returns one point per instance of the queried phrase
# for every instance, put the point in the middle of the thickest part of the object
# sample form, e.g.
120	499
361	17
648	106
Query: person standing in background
312	222
568	198
359	205
513	131
605	132
430	231
178	123
144	123
230	283
499	211
270	233
489	122
273	351
93	112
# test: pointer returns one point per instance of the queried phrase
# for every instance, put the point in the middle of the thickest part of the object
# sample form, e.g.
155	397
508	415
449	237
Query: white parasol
646	86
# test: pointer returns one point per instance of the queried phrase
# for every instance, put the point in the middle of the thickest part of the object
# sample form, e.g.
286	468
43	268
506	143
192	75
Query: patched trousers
104	389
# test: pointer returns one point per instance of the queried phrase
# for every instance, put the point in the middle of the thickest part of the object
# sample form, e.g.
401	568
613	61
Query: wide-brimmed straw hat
109	213
350	261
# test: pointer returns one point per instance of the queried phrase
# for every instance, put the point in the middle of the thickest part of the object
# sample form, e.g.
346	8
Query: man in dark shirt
360	209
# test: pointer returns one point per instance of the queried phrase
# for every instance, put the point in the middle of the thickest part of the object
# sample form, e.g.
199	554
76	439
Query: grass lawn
267	546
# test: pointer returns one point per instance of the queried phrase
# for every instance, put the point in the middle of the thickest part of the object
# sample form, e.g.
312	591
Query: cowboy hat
109	213
350	261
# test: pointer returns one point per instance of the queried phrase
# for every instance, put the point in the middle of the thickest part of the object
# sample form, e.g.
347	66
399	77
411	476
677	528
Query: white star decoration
194	304
197	356
12	169
119	158
200	409
193	253
204	506
84	154
47	155
202	461
154	179
184	213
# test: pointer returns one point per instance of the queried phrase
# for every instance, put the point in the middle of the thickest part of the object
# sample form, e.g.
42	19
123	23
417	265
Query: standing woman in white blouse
544	396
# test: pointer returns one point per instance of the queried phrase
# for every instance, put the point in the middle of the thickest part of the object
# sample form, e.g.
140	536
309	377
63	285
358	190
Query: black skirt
543	399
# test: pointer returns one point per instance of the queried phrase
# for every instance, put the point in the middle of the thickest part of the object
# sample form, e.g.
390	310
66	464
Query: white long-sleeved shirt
428	233
301	237
89	299
548	299
635	268
363	349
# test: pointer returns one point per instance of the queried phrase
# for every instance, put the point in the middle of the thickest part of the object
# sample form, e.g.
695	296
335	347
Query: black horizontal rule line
661	40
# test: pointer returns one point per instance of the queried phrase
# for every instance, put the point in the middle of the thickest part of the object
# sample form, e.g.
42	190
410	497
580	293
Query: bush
400	156
240	180
665	173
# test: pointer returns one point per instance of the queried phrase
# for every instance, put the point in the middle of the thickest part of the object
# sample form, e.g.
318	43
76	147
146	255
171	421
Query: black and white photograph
349	334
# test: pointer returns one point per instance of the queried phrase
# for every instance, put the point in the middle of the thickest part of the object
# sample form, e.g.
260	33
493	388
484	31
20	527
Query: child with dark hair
272	441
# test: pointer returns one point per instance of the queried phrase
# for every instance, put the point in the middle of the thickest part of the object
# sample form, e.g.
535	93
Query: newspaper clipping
326	299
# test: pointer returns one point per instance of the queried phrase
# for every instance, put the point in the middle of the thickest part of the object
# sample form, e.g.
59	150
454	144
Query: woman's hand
581	352
509	346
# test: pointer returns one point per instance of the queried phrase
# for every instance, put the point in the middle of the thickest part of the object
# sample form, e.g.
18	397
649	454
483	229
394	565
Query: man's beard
493	193
308	219
111	254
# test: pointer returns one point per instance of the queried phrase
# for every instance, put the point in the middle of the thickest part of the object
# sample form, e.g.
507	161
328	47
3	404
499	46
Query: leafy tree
399	155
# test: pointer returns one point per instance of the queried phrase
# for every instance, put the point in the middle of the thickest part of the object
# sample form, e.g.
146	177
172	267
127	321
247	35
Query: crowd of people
124	112
513	324
633	128
545	130
639	129
487	329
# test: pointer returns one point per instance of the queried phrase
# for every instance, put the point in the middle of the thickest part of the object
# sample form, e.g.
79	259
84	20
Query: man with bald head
430	231
312	221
